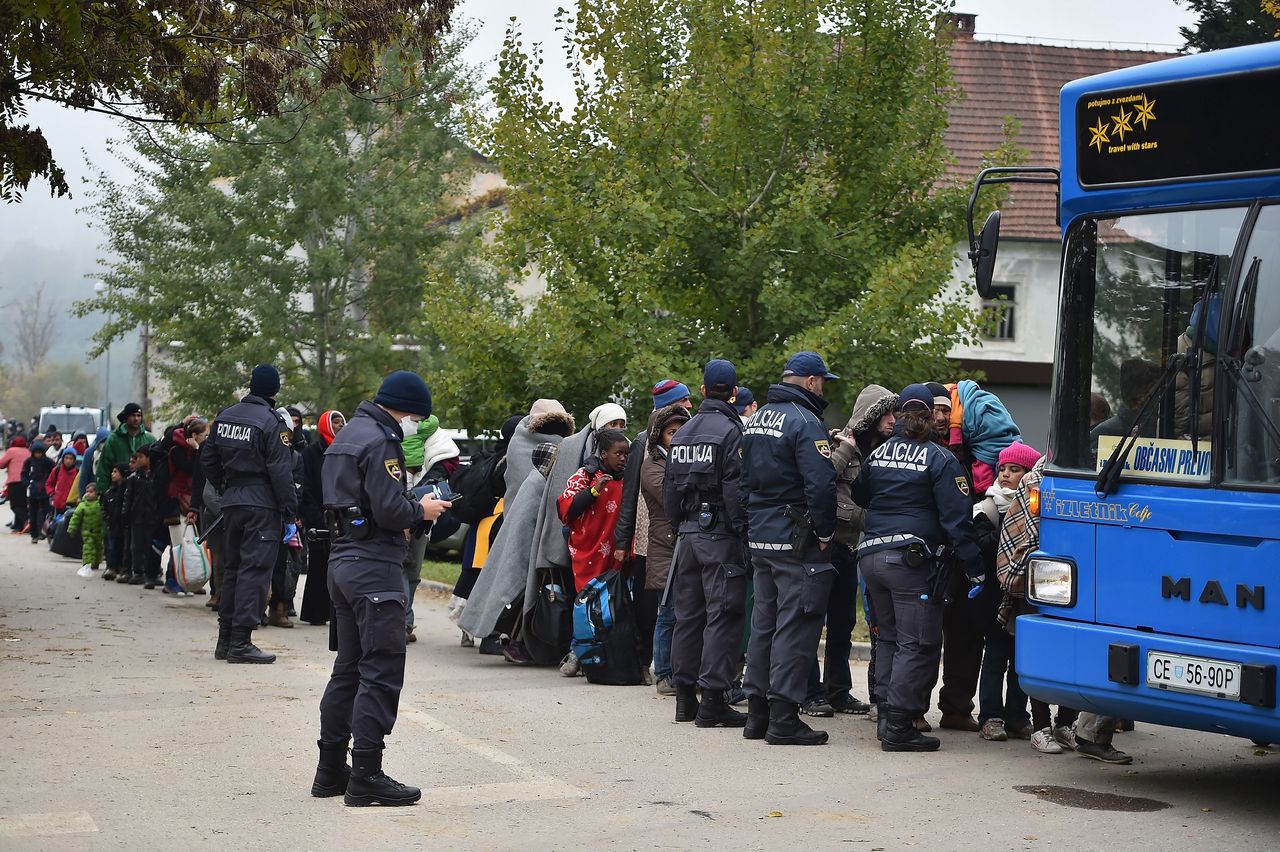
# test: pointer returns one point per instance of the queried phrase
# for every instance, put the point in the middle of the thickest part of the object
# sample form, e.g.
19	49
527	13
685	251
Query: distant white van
69	419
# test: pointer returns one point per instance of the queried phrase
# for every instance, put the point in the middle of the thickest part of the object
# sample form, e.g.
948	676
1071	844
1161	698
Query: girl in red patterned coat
589	506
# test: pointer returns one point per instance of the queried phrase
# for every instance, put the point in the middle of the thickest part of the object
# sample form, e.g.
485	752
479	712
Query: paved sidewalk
121	731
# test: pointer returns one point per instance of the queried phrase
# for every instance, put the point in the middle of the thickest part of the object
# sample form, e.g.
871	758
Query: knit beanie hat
131	408
941	396
1020	454
405	391
669	391
544	456
606	413
265	381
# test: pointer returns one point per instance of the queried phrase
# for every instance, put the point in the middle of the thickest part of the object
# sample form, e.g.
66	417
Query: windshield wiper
1195	359
1109	477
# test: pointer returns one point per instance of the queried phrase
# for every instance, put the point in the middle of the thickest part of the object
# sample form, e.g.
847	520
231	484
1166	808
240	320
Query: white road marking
43	825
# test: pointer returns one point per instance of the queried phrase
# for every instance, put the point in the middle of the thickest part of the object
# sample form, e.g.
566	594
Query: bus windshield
1138	290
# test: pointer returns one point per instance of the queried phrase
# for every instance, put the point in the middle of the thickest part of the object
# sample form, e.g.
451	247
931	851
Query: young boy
140	511
115	526
1001	712
87	521
35	473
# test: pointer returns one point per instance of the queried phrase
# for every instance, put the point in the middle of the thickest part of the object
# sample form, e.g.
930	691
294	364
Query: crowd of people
746	530
716	547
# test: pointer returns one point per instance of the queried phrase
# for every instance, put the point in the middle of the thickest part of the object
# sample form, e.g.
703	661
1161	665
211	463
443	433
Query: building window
998	313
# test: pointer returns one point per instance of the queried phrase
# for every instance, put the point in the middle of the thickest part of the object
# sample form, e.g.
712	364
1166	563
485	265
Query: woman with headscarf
315	594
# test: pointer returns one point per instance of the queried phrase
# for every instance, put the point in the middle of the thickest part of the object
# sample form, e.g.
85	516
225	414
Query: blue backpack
604	631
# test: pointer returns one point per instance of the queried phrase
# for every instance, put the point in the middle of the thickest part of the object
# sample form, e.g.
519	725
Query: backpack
604	631
479	486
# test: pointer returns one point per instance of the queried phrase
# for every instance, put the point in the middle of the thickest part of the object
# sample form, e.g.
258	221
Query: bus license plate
1216	678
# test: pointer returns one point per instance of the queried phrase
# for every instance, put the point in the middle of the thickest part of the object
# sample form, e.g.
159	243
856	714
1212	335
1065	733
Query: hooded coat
505	572
60	480
873	403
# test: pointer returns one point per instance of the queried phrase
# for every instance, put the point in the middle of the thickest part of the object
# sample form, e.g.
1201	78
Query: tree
309	255
190	62
738	180
1230	23
34	326
22	396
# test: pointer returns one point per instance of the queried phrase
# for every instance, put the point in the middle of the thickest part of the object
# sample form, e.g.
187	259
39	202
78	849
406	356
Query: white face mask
408	426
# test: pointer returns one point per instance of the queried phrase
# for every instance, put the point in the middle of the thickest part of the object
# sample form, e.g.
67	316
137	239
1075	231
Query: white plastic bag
192	561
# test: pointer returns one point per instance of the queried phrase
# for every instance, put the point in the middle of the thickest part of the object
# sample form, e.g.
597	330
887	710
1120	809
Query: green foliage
309	255
190	62
1230	23
739	180
23	395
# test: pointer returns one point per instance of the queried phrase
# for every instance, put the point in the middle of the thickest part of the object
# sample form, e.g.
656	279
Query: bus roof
1104	169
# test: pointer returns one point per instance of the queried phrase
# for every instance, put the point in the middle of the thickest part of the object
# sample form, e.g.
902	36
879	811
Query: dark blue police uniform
788	479
917	500
248	460
701	494
365	491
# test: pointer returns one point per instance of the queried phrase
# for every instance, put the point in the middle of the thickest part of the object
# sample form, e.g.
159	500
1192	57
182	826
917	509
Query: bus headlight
1051	582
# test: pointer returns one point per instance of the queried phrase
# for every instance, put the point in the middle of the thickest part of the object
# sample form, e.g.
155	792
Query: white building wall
1031	267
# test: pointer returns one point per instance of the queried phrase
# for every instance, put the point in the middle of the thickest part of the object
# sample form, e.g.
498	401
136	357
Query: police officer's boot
686	703
714	711
901	734
224	640
332	772
882	719
757	718
242	649
786	727
369	785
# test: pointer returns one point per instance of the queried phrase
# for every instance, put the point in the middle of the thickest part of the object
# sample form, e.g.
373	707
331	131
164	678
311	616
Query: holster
802	534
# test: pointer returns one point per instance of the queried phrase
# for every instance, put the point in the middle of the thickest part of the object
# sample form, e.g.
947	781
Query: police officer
791	501
248	460
709	585
372	514
917	501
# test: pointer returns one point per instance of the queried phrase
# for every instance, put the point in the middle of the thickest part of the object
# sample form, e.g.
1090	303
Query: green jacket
118	449
87	520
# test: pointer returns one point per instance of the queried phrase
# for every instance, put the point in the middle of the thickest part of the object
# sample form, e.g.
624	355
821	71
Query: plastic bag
191	563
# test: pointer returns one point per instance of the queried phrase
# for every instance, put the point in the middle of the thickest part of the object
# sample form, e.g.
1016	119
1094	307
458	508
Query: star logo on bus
1099	137
1122	121
1146	112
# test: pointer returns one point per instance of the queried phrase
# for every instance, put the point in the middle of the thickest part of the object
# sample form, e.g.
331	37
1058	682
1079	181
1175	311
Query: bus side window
1252	389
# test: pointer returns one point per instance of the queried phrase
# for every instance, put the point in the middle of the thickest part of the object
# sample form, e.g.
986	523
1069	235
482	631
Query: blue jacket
916	491
704	465
786	460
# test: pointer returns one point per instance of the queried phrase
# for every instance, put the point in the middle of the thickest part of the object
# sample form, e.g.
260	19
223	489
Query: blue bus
1157	582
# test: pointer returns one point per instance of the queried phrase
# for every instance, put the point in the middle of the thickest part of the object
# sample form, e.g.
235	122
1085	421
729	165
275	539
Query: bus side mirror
983	255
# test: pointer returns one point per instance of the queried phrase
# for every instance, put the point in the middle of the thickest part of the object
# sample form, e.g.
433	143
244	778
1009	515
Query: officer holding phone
372	513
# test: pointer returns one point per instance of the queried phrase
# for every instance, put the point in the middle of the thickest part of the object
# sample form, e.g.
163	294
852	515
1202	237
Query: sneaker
138	580
124	578
1066	736
1105	753
409	636
148	583
514	652
646	677
468	641
736	695
569	666
1019	732
873	715
993	729
109	575
1043	741
848	705
818	707
664	686
171	587
85	571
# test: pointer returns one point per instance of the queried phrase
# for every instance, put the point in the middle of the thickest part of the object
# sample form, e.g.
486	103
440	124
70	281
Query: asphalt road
121	731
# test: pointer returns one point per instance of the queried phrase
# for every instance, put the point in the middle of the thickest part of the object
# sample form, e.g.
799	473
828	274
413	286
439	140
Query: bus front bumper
1076	665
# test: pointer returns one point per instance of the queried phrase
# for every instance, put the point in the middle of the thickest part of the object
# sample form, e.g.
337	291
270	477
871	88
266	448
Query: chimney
960	25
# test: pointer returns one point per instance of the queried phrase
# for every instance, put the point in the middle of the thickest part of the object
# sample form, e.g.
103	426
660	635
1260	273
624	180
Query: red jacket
591	534
58	485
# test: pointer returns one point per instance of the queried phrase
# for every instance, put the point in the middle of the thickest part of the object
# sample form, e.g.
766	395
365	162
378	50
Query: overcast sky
55	225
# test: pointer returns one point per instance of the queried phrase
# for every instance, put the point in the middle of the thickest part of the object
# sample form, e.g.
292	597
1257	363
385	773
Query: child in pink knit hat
1015	460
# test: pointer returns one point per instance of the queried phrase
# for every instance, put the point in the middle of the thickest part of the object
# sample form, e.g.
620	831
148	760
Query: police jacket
364	467
248	460
704	466
916	491
786	454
